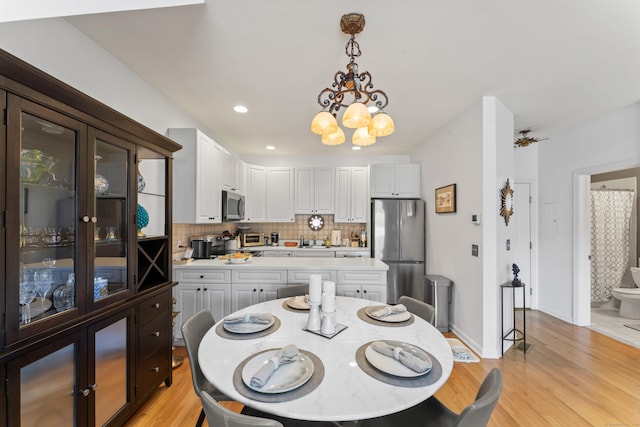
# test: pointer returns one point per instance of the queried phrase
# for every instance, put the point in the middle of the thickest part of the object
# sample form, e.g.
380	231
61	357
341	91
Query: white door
521	244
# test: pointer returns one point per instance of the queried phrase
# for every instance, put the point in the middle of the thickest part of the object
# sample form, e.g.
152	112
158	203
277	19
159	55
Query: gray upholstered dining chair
434	413
292	290
219	416
193	329
419	308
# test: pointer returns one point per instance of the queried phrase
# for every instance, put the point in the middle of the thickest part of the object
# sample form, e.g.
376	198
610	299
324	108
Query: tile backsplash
287	230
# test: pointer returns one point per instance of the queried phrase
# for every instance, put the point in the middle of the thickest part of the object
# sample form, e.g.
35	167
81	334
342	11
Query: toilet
629	297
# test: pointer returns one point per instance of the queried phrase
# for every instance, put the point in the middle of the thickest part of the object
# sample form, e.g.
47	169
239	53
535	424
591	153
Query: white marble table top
346	392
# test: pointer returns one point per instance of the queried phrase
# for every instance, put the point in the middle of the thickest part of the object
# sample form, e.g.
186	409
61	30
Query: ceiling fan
525	139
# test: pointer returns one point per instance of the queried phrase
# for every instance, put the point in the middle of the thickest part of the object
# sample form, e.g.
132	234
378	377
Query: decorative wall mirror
316	222
506	209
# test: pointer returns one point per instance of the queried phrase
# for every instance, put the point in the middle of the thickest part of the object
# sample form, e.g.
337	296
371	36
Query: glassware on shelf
101	182
49	262
43	280
64	296
111	234
96	234
27	294
141	182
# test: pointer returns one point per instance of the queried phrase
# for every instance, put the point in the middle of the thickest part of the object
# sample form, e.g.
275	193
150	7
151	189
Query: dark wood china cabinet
86	271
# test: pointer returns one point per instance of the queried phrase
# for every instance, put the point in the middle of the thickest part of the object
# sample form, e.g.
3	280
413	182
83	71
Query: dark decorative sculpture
516	270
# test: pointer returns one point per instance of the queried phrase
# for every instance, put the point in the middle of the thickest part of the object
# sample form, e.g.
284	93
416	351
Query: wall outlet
474	250
508	244
475	219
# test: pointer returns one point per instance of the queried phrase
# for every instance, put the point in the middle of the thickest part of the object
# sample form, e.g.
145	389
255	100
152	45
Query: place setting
278	374
297	304
398	363
248	326
386	315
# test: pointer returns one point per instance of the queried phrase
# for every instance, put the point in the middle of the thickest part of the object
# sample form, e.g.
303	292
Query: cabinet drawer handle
202	276
156	305
85	218
94	219
86	391
156	369
156	334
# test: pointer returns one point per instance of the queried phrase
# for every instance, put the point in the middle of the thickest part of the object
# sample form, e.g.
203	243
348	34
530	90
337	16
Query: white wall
59	49
474	152
608	143
452	157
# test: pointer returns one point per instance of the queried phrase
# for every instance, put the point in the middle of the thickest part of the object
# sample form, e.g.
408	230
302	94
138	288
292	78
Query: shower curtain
610	227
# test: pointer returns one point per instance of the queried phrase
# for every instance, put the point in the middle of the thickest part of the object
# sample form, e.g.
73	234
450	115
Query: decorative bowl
291	244
238	260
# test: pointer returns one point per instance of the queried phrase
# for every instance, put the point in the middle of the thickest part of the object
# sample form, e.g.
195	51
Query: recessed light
240	109
372	109
356	148
270	147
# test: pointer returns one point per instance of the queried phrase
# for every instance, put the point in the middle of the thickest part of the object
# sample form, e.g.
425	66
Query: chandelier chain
352	49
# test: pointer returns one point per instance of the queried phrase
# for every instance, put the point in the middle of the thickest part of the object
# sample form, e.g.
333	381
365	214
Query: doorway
522	245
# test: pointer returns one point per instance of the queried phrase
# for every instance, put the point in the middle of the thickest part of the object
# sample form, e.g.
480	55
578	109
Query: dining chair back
479	412
292	290
219	416
419	308
193	329
433	413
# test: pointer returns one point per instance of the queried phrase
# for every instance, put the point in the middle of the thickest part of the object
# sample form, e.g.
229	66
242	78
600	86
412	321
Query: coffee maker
274	239
206	247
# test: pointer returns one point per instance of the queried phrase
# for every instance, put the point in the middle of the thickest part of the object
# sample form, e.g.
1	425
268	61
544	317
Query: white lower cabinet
366	284
199	290
246	294
249	286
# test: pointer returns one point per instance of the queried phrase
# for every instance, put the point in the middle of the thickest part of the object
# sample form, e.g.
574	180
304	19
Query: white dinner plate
392	366
287	377
392	318
247	328
298	302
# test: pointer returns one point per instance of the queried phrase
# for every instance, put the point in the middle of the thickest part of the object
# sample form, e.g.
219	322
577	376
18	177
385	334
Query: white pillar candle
328	287
315	287
328	302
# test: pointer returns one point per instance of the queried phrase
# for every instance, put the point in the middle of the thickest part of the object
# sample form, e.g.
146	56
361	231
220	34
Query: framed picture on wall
446	199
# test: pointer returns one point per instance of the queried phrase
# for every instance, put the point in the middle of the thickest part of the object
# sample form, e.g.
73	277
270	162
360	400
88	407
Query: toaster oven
252	239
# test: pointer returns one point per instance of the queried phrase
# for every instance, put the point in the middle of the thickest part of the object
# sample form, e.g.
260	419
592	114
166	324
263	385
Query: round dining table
346	392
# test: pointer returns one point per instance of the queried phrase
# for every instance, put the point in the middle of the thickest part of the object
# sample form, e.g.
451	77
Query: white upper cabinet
395	181
256	201
314	190
280	195
351	194
232	171
197	178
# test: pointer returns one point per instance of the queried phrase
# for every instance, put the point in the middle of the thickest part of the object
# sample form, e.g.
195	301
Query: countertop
306	248
289	263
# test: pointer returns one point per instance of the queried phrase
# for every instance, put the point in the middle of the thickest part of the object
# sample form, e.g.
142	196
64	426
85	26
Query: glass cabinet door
112	230
43	150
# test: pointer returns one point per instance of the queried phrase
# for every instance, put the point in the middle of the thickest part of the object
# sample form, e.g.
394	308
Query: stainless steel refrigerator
397	239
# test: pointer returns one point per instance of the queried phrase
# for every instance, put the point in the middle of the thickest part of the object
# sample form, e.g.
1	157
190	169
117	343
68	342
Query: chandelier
352	90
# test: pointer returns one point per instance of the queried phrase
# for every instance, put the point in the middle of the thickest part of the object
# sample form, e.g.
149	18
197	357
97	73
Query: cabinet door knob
85	218
202	276
87	391
155	369
156	305
205	289
94	219
156	334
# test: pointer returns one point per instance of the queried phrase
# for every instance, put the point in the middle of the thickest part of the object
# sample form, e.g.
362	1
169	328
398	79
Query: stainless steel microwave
232	206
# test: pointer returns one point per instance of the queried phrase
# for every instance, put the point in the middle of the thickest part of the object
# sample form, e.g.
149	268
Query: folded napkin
258	318
284	355
388	310
461	353
407	359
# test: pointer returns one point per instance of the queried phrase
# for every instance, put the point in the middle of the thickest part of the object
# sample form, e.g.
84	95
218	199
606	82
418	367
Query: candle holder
314	322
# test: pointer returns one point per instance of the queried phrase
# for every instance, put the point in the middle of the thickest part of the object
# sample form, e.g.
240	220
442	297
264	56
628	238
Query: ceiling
553	63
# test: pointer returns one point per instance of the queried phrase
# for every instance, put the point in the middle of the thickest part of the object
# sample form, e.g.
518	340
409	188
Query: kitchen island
223	288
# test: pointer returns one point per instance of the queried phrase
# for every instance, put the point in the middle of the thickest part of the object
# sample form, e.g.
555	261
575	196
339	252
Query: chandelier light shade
353	92
381	125
324	123
362	138
335	138
356	116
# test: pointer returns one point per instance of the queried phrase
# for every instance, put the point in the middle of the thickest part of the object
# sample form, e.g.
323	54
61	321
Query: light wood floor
572	376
